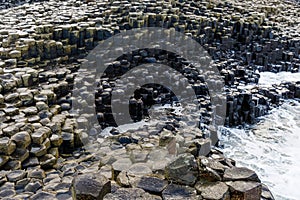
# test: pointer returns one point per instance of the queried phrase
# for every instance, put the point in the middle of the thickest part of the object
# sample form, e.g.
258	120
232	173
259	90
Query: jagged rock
152	184
30	110
166	137
47	161
212	164
10	98
177	192
41	105
3	178
38	150
245	189
201	147
90	186
122	179
182	170
40	135
240	173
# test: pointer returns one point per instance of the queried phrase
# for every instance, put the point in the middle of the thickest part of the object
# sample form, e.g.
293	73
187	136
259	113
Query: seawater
271	147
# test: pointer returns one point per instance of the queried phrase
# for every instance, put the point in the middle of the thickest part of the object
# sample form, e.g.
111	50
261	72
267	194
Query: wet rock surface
42	46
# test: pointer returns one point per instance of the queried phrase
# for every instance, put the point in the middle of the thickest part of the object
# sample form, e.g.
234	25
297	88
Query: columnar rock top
41	49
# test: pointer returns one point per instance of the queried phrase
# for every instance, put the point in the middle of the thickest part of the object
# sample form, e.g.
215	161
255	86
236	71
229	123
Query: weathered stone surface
33	186
12	165
152	184
166	137
240	173
7	147
106	171
10	130
131	193
15	54
30	162
47	161
245	190
40	135
16	175
216	190
7	193
138	169
20	154
38	150
177	192
182	170
121	165
22	183
122	179
56	140
36	173
42	195
90	186
22	139
3	178
201	147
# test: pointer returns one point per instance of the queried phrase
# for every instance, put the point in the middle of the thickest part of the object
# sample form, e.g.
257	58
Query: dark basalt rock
182	170
240	173
245	190
90	186
174	191
131	193
40	59
152	184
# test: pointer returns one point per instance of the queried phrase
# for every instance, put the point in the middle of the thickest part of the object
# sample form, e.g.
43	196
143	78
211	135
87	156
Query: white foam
271	148
269	78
